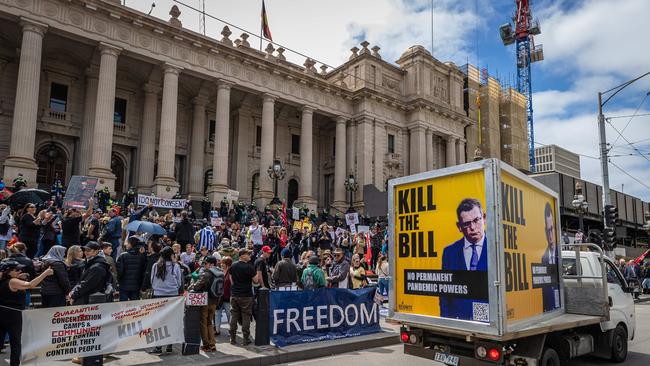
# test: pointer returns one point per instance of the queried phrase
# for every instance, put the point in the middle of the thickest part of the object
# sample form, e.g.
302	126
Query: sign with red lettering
196	299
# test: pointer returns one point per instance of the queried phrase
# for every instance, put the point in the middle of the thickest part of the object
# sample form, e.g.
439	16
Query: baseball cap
314	259
244	251
92	245
210	259
7	265
286	253
337	251
266	249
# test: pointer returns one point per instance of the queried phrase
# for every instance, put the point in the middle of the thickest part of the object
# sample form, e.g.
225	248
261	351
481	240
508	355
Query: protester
6	225
285	274
188	256
46	220
12	302
107	249
75	264
166	281
72	219
28	230
184	230
262	268
112	232
55	288
338	276
226	263
130	270
18	254
382	272
94	278
357	273
313	276
204	284
153	253
243	276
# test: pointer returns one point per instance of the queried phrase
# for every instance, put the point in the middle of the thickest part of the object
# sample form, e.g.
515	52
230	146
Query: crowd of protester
72	254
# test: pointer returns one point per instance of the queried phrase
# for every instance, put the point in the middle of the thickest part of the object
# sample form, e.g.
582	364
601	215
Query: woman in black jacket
29	231
54	288
184	230
74	261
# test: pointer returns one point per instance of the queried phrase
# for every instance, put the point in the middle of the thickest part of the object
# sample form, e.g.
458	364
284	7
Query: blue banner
323	314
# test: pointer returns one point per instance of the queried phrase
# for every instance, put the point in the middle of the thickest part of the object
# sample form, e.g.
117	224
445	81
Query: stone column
100	165
147	148
245	132
23	131
305	189
364	157
418	155
406	151
165	184
219	187
86	140
340	201
429	148
350	148
441	152
451	151
265	193
197	151
380	151
461	151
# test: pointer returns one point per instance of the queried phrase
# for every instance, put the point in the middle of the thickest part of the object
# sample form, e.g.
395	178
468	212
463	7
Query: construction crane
527	53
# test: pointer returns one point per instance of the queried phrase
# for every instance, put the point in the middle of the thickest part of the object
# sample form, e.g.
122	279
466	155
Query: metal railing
579	274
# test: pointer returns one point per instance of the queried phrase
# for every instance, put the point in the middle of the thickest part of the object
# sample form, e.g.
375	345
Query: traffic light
595	238
611	215
609	238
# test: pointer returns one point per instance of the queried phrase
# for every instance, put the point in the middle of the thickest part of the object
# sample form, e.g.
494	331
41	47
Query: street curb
316	350
637	301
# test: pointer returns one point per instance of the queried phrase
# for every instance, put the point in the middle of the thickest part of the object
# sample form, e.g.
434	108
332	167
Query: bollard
262	322
192	330
96	298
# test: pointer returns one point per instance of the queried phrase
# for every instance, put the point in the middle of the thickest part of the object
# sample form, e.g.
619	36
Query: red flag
284	214
266	31
368	256
640	258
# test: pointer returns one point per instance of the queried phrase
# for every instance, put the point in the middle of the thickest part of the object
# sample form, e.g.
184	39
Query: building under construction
502	114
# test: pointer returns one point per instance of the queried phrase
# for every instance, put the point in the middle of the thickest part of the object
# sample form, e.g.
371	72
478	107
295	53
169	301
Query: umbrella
145	227
5	193
29	195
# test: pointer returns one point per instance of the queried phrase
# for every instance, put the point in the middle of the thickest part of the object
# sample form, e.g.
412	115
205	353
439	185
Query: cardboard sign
295	213
353	229
214	215
79	191
144	200
363	229
297	225
196	299
352	218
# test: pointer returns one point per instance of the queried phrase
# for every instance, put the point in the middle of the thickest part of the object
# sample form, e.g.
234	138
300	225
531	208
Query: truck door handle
610	301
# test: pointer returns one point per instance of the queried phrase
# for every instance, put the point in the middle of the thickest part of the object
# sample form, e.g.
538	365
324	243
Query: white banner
144	200
88	330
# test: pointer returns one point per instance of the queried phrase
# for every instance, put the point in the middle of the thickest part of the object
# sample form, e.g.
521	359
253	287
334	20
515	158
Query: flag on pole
266	31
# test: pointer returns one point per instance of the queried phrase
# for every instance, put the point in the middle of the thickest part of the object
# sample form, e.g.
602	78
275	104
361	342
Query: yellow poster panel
529	240
440	247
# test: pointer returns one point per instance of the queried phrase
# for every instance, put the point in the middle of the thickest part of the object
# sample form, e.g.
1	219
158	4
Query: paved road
639	351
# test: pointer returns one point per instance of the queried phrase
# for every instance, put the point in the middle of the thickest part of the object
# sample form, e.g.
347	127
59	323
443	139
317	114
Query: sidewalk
228	354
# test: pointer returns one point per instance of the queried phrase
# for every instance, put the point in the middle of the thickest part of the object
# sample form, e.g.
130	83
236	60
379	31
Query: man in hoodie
95	275
285	274
184	230
130	270
112	232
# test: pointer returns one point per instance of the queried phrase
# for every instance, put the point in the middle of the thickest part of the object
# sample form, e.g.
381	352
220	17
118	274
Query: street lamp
351	186
646	226
580	204
276	172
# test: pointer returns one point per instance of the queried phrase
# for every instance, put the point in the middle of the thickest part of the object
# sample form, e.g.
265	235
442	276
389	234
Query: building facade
90	87
552	158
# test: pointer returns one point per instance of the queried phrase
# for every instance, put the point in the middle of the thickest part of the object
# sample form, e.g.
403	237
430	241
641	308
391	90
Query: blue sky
589	46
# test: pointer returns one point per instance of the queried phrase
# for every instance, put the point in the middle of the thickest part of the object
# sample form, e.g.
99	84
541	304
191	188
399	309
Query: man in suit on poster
466	254
549	257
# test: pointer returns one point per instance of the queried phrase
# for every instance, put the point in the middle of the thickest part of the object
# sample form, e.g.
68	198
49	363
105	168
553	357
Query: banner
79	191
88	330
327	313
530	243
440	247
144	200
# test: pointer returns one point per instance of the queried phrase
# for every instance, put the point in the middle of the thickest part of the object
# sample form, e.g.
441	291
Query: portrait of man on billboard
549	257
468	253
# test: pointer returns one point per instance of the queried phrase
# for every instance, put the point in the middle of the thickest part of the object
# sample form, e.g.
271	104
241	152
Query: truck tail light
404	336
481	352
494	354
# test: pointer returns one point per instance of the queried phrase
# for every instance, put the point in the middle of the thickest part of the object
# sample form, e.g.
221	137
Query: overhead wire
628	142
630	120
629	175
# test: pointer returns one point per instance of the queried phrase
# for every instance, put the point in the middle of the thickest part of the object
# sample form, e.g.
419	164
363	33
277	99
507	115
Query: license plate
445	358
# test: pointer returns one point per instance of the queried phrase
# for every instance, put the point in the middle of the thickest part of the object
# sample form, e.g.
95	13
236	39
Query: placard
363	229
295	213
352	218
196	299
79	191
214	215
144	200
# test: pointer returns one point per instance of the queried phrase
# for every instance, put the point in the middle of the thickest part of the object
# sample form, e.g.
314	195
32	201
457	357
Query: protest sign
352	218
144	200
61	333
297	225
79	191
295	213
214	215
353	229
196	299
363	229
327	313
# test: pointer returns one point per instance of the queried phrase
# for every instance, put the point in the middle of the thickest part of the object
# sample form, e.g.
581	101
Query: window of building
258	136
295	144
119	116
212	129
58	98
391	143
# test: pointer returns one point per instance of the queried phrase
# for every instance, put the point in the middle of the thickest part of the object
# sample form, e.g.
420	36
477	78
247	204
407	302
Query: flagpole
261	26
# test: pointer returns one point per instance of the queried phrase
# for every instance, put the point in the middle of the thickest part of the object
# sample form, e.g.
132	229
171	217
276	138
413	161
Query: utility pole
603	152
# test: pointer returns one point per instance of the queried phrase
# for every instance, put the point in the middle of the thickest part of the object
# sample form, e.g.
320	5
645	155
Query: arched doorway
118	167
52	162
207	179
292	192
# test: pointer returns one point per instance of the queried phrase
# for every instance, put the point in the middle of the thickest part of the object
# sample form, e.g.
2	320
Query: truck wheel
619	344
550	358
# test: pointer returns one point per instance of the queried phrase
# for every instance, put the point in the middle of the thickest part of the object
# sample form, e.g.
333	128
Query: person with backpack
211	281
313	276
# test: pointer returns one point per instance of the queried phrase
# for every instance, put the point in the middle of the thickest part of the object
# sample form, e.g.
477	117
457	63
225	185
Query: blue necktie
473	263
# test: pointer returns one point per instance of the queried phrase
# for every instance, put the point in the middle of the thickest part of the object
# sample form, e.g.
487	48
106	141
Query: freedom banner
328	313
88	330
144	200
79	191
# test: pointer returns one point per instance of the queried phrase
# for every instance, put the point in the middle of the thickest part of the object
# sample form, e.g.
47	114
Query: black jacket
93	280
59	283
184	232
75	271
130	269
25	261
151	260
28	230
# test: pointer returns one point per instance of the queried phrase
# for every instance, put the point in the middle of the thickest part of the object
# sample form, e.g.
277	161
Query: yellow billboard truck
480	277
